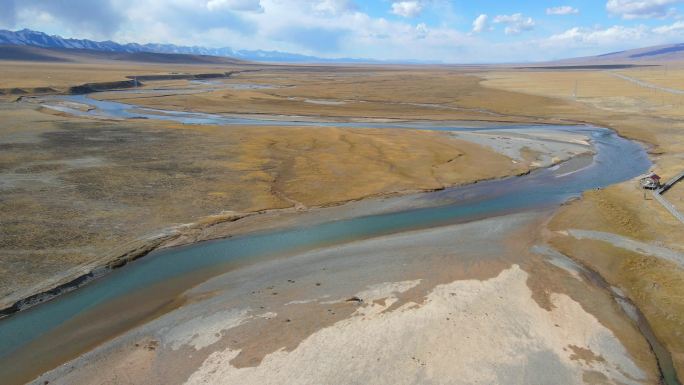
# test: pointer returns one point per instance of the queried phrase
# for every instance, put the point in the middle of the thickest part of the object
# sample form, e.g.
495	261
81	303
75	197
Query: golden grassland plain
437	94
669	76
60	76
107	183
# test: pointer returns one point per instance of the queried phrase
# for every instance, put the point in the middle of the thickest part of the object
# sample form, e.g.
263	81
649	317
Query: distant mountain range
660	54
27	37
134	51
668	52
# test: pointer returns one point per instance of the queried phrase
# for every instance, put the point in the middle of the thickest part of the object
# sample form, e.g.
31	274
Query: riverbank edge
130	81
166	238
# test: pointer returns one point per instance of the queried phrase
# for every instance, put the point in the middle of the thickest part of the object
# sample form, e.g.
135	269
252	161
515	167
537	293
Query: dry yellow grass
106	184
63	75
670	76
676	196
436	94
599	89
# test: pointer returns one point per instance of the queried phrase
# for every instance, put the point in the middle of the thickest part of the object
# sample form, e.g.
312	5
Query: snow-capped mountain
27	37
39	39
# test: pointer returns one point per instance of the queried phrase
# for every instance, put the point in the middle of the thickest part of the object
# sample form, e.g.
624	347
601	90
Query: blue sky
453	31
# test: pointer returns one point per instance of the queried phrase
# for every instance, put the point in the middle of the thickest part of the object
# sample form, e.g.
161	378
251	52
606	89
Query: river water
46	335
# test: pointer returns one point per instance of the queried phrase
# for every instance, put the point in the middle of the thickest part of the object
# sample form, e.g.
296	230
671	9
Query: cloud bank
562	10
515	23
642	9
407	8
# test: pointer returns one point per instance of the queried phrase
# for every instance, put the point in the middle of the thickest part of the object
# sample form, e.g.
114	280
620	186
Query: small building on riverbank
651	181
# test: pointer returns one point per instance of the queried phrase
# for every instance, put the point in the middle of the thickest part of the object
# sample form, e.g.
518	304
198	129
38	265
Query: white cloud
235	5
422	31
334	7
676	27
599	36
480	23
90	19
562	10
515	23
407	8
642	9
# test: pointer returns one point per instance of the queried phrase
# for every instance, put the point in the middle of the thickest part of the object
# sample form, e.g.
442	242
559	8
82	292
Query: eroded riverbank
107	185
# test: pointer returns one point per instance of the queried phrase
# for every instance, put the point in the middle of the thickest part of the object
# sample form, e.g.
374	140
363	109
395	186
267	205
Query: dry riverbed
460	304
